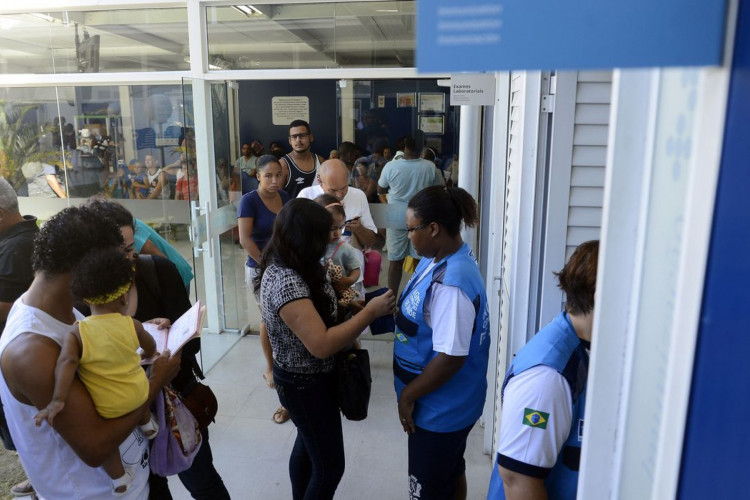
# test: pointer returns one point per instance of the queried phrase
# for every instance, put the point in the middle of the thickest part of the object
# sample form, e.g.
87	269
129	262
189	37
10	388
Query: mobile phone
352	219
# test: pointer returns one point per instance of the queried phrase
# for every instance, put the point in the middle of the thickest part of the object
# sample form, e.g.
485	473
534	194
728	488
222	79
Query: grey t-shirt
346	256
279	286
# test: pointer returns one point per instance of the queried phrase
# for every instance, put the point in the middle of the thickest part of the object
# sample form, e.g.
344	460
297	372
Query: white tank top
50	463
153	180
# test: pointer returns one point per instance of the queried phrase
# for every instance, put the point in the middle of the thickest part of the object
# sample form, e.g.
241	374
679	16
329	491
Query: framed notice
407	100
285	110
431	103
381	101
431	124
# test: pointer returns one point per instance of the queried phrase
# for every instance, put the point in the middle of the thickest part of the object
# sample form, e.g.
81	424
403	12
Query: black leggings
316	464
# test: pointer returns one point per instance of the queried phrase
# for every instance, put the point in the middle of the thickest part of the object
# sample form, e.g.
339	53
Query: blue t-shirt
251	206
405	178
144	232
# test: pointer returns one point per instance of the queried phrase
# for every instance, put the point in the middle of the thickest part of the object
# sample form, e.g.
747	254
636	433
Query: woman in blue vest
442	343
544	395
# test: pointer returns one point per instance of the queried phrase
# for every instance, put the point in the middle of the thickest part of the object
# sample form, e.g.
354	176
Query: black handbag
354	383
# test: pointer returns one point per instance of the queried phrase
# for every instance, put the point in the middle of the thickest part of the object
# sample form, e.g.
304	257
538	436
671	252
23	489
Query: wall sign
473	89
284	110
498	35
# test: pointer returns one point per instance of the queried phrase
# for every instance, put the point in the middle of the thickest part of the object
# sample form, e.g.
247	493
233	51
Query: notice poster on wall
285	110
431	124
381	101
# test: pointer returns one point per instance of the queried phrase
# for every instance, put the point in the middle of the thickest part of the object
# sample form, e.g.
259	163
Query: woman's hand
382	304
405	410
161	323
165	368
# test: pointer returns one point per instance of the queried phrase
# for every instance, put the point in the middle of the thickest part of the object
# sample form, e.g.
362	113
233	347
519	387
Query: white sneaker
122	483
150	429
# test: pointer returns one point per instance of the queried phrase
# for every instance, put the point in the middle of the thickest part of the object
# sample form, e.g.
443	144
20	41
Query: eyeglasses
299	136
411	229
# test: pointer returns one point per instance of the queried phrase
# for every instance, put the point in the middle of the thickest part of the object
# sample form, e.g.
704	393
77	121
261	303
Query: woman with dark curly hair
63	460
103	350
298	306
442	342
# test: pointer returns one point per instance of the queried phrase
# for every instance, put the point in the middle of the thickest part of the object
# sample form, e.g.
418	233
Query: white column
468	160
206	169
347	110
493	208
632	123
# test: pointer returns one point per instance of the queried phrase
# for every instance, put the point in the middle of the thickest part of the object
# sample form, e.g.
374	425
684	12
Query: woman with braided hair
442	341
103	349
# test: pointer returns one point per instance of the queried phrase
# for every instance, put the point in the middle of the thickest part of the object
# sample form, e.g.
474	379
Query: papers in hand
187	326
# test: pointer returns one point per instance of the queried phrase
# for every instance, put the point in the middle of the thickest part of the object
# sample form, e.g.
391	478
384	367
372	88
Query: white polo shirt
543	390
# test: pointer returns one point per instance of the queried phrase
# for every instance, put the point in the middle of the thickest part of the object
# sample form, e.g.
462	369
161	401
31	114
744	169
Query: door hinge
548	103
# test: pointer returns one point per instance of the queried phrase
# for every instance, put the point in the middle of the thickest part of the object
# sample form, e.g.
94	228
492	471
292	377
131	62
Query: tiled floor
251	451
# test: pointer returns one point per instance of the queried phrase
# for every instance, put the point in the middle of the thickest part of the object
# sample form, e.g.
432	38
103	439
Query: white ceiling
330	35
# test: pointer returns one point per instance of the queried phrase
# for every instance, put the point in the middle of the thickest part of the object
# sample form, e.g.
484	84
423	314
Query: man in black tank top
301	165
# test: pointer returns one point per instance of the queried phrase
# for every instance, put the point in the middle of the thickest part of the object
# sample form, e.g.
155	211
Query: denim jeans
316	464
201	479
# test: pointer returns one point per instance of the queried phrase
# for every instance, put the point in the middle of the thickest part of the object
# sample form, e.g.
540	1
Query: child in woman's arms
103	349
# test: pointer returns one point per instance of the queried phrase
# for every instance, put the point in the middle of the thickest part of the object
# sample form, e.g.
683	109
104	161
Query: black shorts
436	461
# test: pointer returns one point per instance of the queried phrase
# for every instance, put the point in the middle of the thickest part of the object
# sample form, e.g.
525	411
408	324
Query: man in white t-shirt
333	177
63	460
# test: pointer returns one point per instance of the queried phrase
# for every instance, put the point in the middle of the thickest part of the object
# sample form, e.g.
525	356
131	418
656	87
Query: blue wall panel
717	436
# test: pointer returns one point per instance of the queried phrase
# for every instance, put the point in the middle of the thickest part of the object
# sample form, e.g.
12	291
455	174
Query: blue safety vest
458	403
557	346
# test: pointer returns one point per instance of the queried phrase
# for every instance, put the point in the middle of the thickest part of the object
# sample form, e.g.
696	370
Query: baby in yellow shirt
103	348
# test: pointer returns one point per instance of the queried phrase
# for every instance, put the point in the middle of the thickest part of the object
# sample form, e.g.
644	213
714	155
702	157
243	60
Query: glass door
207	185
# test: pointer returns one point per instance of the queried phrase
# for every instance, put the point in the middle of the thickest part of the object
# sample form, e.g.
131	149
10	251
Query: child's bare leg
148	427
145	417
113	466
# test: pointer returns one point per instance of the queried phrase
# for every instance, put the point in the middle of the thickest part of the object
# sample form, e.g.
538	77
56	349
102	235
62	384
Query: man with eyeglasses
301	165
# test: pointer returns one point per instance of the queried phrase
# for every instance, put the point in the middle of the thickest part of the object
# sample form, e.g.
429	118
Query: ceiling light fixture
248	10
43	17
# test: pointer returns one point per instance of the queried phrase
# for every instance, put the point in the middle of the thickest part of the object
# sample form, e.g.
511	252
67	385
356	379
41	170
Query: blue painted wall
717	436
255	111
255	118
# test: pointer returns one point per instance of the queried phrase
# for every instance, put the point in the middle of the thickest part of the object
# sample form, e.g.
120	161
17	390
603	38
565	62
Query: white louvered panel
578	235
594	92
516	84
593	96
512	176
595	76
592	114
589	156
590	135
584	216
587	177
586	196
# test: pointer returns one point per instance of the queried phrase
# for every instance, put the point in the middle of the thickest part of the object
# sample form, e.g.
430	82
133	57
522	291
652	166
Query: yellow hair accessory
109	297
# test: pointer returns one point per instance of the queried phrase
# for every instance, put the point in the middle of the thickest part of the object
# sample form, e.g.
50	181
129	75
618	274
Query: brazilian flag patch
535	418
